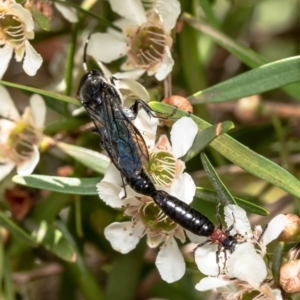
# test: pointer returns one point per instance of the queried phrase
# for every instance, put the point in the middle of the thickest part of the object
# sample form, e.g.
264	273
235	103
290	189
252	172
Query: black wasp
128	151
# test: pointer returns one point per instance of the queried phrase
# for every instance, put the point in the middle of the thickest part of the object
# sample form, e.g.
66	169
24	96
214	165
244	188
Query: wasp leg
220	226
263	232
123	184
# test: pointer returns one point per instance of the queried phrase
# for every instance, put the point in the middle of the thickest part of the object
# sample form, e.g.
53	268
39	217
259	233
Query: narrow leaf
69	185
40	19
216	182
205	137
262	79
241	155
41	92
54	241
212	196
91	159
242	52
16	230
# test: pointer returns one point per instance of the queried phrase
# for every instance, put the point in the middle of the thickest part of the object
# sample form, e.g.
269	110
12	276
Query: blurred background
267	123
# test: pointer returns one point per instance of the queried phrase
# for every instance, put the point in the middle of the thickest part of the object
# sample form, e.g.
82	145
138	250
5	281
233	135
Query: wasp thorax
153	217
147	46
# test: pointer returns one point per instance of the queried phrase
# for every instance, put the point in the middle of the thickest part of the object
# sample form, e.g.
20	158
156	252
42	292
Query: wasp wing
120	138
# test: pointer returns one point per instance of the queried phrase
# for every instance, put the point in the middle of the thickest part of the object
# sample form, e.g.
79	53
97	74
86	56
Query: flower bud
247	108
290	276
180	102
291	231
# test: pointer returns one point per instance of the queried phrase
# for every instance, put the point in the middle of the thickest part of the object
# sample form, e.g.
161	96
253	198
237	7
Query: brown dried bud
290	276
20	202
291	231
180	102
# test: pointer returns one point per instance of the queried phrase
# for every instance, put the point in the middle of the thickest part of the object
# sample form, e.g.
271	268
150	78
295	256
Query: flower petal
170	262
154	239
28	166
196	239
109	193
209	283
124	237
112	175
146	127
106	47
134	75
38	109
67	11
274	228
7	108
129	9
206	259
5	56
24	15
183	188
237	216
183	134
180	234
135	87
5	169
245	264
32	60
166	66
169	11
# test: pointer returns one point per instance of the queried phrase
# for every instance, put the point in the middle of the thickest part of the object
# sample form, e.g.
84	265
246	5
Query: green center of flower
155	219
148	45
21	142
11	30
161	167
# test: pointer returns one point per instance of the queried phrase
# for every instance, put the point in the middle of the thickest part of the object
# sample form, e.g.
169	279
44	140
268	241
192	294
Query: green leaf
82	276
41	92
16	230
53	240
89	158
242	52
40	19
241	155
222	191
277	260
66	124
69	185
262	79
205	137
212	196
50	207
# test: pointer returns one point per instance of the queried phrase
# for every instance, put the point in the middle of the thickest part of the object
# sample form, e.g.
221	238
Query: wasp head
90	88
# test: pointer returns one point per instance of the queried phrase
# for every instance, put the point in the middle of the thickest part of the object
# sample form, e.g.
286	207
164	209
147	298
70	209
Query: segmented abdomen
183	214
141	183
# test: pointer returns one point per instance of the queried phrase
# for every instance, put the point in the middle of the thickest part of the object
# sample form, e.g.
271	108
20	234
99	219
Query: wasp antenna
84	64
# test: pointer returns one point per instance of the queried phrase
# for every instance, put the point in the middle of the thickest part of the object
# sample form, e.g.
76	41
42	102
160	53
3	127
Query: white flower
164	165
145	37
67	11
20	135
245	264
17	27
147	218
